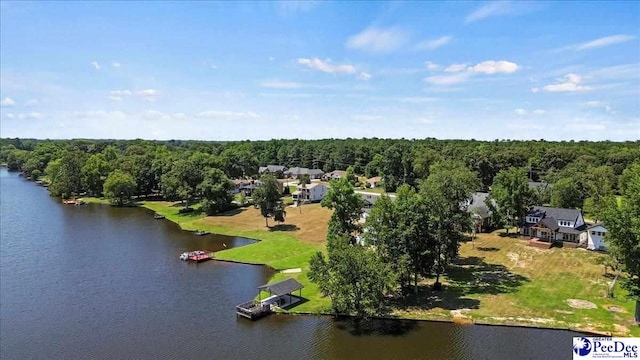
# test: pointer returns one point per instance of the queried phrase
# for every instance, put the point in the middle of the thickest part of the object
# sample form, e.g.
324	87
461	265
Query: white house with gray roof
554	224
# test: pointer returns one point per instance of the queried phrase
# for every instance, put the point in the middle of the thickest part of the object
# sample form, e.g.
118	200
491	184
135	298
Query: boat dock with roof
280	296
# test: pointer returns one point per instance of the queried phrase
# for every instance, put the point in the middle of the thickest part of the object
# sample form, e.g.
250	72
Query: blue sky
242	70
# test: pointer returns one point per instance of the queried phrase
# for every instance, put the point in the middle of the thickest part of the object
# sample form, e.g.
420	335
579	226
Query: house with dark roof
553	224
479	210
276	170
296	172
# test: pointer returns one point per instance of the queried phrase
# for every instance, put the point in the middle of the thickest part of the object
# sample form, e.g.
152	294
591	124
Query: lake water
80	282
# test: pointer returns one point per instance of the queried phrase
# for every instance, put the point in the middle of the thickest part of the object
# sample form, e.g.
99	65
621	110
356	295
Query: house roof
595	226
304	171
283	287
478	206
272	168
551	223
375	178
311	186
557	213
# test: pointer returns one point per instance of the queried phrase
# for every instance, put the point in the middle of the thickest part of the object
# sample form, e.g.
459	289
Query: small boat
158	216
81	202
202	232
196	256
69	201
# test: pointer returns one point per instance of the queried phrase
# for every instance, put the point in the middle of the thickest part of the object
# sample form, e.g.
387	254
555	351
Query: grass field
502	280
497	279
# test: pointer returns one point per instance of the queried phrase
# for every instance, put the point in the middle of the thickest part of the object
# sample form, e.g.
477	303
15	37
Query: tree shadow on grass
467	276
232	212
485	248
369	326
284	227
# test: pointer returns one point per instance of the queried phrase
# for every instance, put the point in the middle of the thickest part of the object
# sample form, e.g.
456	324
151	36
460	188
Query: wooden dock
253	309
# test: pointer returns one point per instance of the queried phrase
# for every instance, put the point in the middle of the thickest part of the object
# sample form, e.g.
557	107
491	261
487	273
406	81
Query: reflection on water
101	282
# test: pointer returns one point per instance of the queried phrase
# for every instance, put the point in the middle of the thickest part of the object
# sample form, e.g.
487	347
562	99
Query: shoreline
319	308
455	320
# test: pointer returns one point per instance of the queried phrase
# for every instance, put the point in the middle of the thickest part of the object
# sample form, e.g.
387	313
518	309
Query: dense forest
76	166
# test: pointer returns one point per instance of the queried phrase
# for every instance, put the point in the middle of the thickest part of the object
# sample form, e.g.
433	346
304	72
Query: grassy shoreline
497	281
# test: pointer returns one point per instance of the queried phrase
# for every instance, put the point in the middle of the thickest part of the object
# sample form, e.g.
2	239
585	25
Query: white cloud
214	66
226	115
7	102
539	111
431	66
365	117
275	84
495	67
116	64
364	76
448	79
434	43
95	65
32	103
271	58
569	83
9	115
30	116
327	66
605	41
117	95
493	8
455	67
520	111
378	40
535	90
149	95
462	72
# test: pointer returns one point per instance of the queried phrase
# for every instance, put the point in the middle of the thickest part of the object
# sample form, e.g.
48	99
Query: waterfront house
553	224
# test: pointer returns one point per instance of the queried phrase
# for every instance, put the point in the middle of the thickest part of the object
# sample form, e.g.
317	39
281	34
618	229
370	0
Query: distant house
593	237
370	198
479	210
296	172
248	186
313	192
554	224
334	175
374	181
275	170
